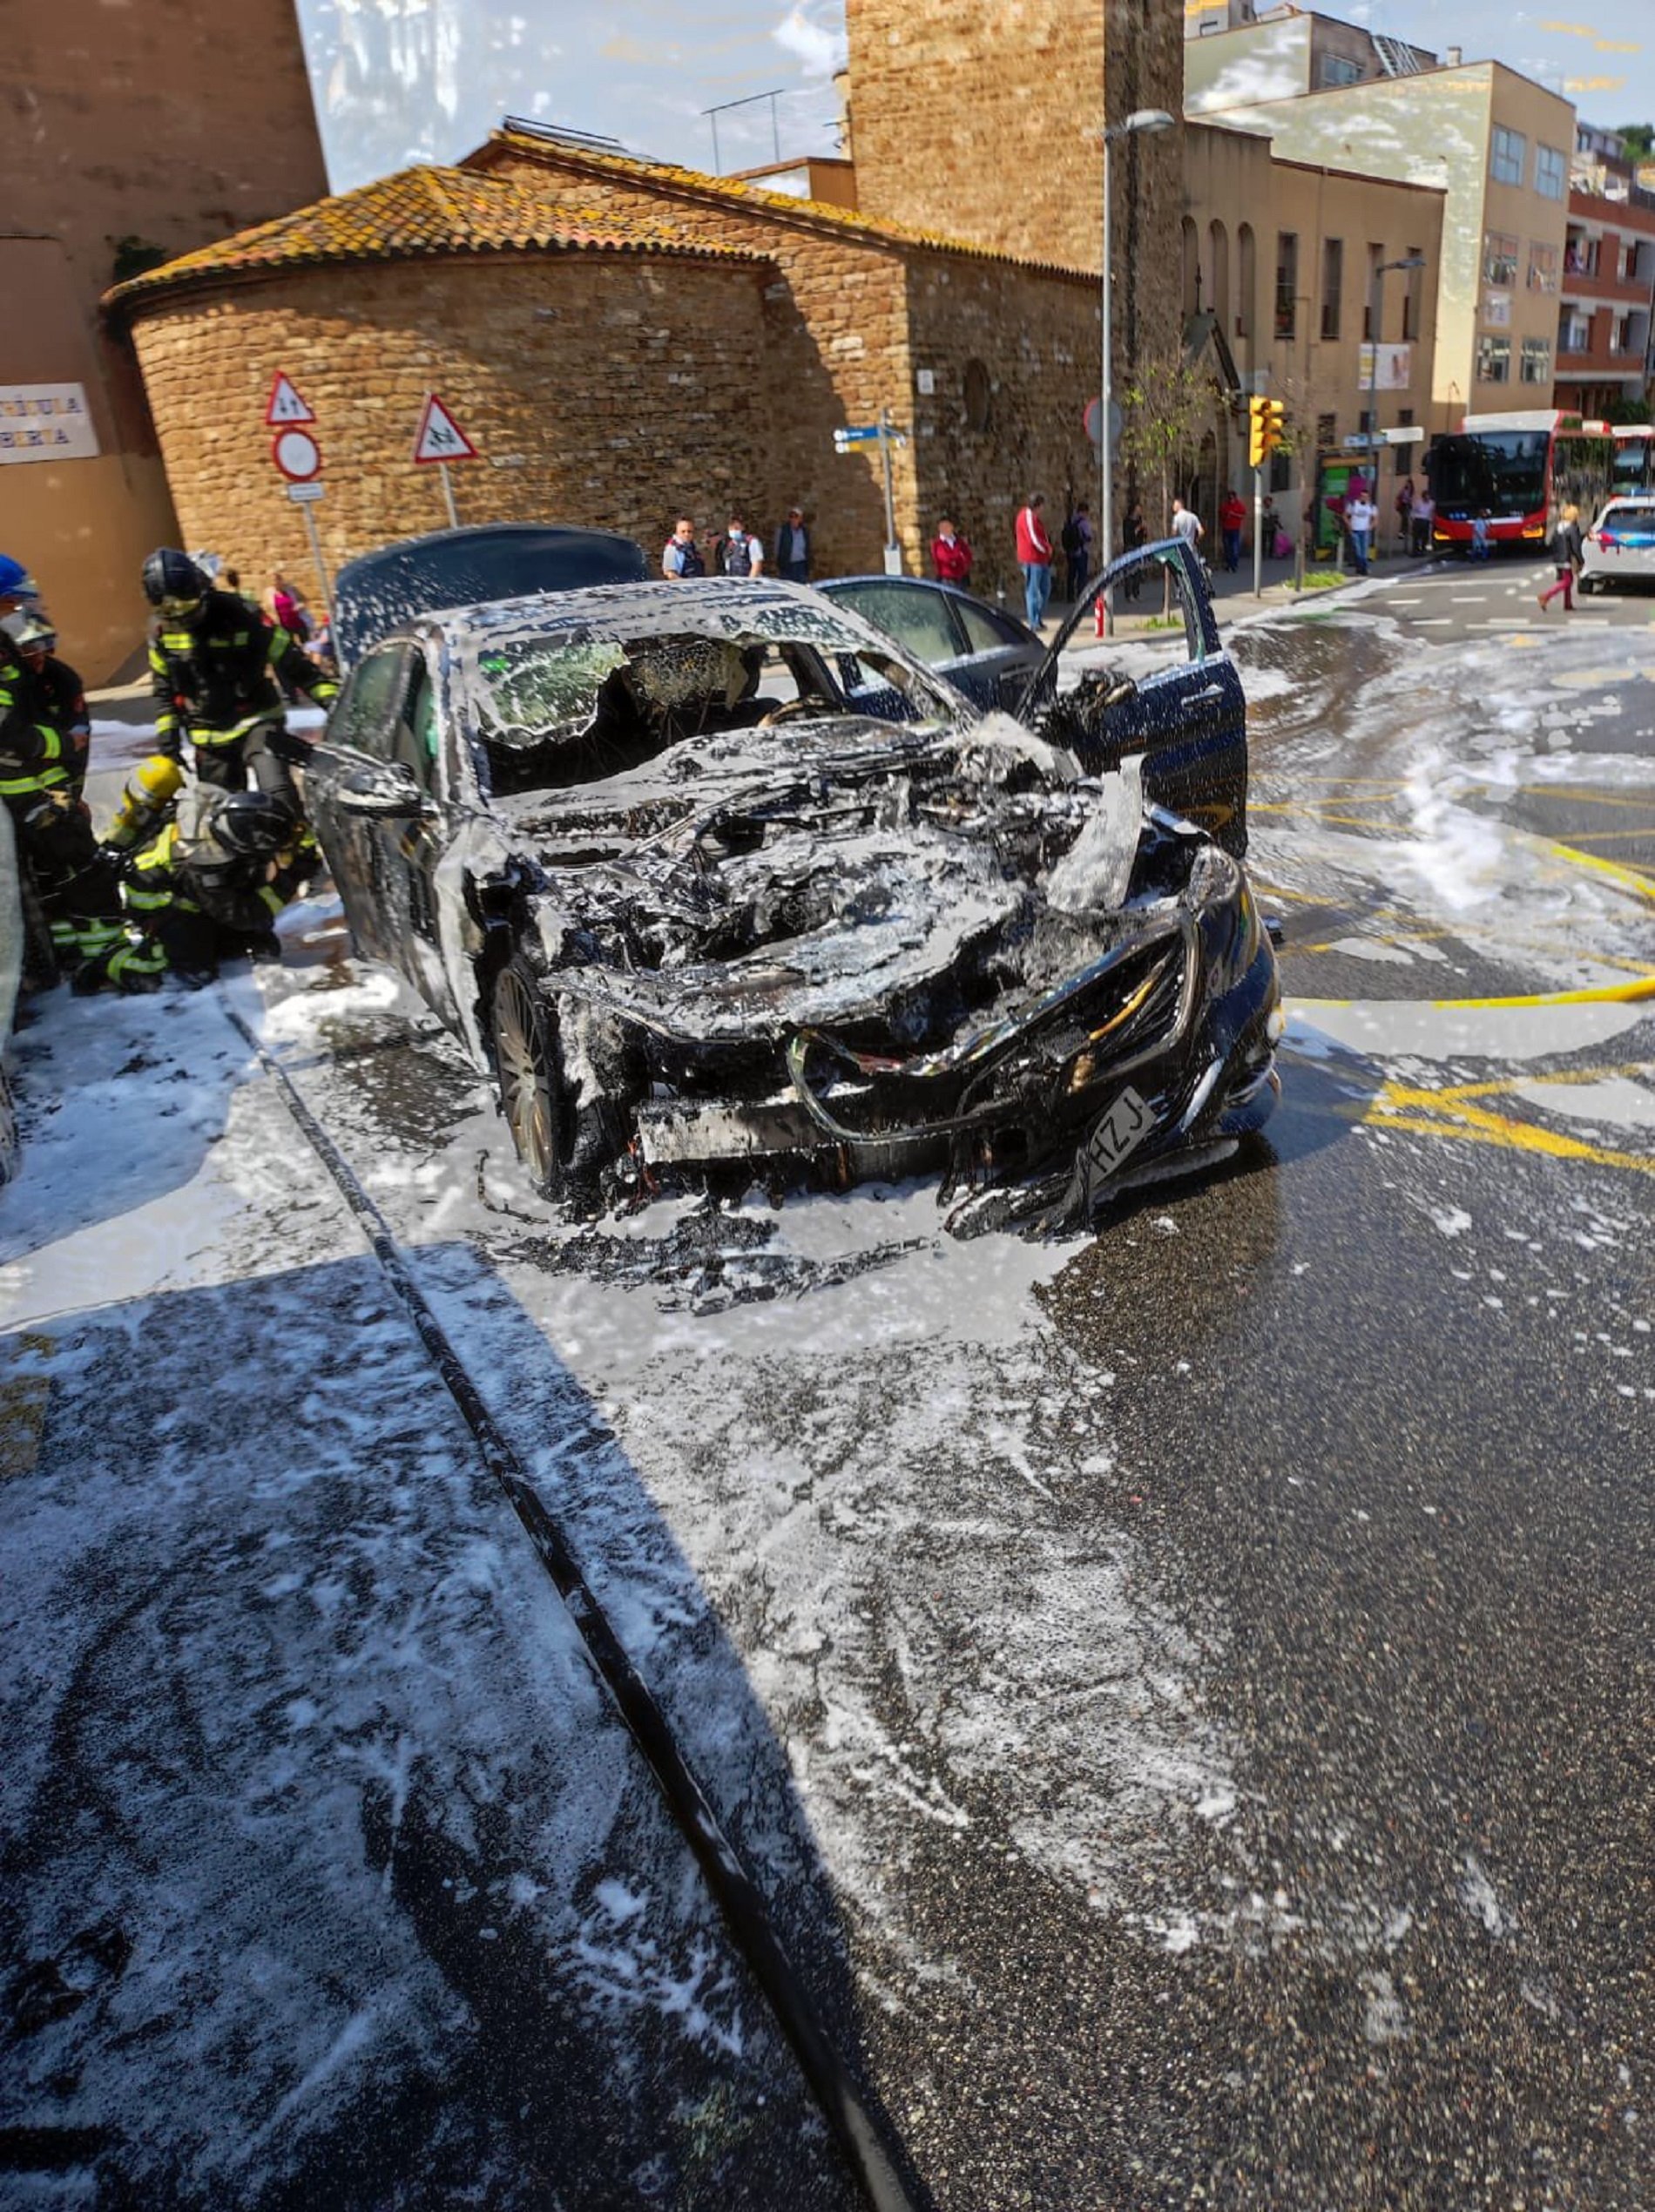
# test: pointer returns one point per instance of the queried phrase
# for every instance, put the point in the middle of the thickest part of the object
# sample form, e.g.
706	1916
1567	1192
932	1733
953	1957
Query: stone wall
1013	356
984	123
610	390
979	119
854	316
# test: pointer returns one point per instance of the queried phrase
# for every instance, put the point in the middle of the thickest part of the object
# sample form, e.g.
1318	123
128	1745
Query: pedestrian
1187	524
1405	511
1077	546
951	555
792	547
1570	557
680	556
1034	557
1360	515
1420	521
1480	546
1233	517
215	668
284	604
739	552
1134	533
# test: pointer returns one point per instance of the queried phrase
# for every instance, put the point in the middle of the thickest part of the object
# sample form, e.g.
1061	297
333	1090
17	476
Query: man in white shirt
1360	515
1187	524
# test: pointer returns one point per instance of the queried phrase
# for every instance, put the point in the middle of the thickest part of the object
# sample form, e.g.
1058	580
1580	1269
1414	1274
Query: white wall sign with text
46	422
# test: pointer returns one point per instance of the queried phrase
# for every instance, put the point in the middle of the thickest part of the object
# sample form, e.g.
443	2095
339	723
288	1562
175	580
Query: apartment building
1235	54
1292	261
1498	146
1607	284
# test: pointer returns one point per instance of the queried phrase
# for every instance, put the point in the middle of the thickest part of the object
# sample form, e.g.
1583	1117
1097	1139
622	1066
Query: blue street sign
857	434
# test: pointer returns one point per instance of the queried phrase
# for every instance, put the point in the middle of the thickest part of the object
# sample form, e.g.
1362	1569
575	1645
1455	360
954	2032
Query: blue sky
409	80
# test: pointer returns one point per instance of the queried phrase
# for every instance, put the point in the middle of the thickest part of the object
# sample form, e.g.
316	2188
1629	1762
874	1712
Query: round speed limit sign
297	455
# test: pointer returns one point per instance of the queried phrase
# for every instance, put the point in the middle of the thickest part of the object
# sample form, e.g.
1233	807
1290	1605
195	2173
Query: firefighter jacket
214	672
33	753
185	871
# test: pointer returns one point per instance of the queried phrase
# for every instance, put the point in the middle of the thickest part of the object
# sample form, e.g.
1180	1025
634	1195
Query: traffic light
1266	426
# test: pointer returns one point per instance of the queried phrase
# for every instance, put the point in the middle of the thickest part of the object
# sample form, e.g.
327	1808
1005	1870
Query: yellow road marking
1631	879
1451	1113
1604	994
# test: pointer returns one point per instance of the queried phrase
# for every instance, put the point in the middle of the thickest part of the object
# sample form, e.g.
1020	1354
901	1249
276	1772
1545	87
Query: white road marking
1435	622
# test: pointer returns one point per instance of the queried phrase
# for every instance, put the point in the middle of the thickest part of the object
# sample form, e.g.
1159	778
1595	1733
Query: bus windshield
1503	471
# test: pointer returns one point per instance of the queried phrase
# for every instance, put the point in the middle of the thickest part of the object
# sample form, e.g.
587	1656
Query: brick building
1607	285
133	133
625	341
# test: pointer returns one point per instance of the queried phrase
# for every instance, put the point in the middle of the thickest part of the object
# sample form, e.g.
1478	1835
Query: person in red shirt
951	555
1233	517
1034	557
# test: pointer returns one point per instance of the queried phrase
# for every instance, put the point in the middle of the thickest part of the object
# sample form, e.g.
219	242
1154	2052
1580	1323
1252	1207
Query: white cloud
818	50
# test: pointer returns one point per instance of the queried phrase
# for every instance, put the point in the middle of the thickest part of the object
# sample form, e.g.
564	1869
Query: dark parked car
1187	718
375	593
981	650
638	849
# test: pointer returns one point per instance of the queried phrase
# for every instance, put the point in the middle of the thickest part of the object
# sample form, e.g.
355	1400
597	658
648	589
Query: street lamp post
1141	119
1376	308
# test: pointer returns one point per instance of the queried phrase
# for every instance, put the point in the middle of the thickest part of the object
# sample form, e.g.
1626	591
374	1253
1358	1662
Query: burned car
701	918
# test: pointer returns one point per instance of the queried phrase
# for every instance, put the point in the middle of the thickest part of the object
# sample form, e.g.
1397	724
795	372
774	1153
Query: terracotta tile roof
421	211
666	177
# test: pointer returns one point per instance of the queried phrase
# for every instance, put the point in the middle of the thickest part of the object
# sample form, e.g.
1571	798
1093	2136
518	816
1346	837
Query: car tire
525	1033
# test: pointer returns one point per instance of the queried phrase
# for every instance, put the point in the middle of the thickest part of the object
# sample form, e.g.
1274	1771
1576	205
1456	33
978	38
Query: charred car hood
821	874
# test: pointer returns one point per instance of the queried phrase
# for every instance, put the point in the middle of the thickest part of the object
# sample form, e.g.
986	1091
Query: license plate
1118	1135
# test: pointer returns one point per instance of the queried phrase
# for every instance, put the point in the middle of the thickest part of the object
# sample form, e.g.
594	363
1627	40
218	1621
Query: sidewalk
1234	595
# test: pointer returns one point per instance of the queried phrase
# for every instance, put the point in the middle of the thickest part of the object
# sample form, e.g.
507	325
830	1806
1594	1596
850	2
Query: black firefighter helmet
254	825
172	582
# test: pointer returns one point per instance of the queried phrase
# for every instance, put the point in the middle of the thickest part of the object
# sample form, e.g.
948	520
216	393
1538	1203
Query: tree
1637	139
1165	409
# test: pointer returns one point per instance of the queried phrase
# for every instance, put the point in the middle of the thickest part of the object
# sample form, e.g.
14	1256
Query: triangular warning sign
284	404
440	437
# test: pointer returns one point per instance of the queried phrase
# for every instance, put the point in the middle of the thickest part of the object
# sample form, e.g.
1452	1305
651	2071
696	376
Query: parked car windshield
554	711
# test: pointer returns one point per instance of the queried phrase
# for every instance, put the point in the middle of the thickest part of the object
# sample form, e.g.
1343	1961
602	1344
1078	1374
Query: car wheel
525	1059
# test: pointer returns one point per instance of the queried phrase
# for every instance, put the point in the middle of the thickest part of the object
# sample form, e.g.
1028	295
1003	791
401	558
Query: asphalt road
1212	1661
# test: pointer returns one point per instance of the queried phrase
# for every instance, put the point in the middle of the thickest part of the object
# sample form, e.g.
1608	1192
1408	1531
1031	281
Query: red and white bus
1517	468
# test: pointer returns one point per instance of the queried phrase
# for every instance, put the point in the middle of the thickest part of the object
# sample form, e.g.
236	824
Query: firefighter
64	693
216	668
76	887
207	888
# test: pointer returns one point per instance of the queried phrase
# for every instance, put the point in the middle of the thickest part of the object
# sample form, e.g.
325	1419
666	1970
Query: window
1551	171
1493	360
1376	255
1535	365
1404	416
1333	281
414	742
1411	297
365	718
1499	258
986	630
1326	429
1287	281
1335	69
915	617
1542	268
1506	152
1574	337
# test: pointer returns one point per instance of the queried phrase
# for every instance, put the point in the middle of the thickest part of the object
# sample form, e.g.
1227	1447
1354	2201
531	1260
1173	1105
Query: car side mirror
382	790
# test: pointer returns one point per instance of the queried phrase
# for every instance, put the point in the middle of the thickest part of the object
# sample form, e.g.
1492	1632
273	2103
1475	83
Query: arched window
1218	265
1191	290
1247	305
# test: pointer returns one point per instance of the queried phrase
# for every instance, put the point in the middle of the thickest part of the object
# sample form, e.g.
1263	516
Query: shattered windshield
569	708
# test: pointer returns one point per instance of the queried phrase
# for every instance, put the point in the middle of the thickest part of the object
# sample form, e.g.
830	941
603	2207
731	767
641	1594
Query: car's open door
1185	715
